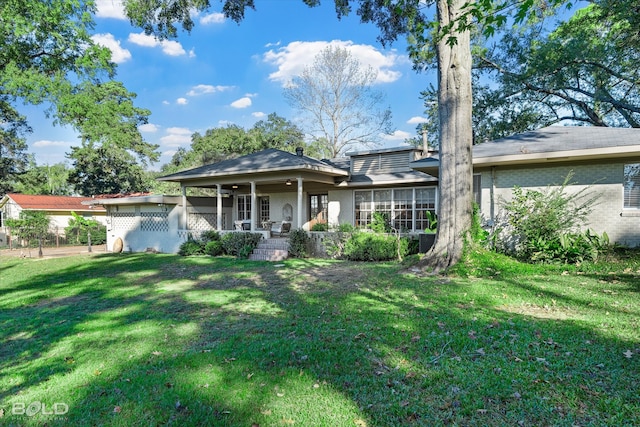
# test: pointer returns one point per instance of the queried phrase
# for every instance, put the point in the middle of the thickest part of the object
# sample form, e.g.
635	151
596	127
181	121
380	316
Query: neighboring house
57	208
271	186
606	160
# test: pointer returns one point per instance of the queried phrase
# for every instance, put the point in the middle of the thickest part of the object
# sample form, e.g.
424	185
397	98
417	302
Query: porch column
219	207
254	208
300	201
184	207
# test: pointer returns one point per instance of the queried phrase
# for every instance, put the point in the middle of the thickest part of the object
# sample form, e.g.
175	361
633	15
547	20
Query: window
264	209
425	201
477	188
405	207
632	186
244	207
363	207
318	207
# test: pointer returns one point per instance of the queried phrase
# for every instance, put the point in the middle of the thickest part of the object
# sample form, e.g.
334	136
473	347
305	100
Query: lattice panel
124	221
203	221
154	221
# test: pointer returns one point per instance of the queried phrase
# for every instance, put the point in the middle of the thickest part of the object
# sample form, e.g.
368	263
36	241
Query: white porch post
300	193
219	207
184	207
254	208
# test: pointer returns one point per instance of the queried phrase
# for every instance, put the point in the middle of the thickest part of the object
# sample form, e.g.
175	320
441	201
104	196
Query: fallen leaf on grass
156	353
481	411
628	354
1	413
360	423
117	409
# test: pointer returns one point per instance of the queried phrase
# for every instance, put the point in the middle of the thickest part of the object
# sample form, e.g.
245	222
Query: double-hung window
631	186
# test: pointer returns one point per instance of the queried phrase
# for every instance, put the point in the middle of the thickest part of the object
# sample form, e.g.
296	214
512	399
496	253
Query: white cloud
149	127
169	47
182	101
110	9
165	102
212	18
398	135
192	53
43	143
292	59
176	137
258	114
242	103
204	89
417	120
118	53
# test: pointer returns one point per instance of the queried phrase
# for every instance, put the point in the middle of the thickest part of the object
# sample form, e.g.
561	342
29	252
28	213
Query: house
604	160
57	208
261	190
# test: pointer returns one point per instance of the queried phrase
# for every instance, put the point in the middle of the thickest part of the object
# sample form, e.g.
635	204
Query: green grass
141	340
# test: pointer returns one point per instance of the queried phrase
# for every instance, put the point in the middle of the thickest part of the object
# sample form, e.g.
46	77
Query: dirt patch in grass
541	312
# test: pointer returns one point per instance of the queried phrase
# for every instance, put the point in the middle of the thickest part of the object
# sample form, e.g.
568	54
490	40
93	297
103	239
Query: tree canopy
47	56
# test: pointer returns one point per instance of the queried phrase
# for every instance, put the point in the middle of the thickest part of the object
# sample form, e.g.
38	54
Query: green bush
77	232
375	247
299	243
320	226
235	243
210	236
213	248
191	247
545	226
346	228
380	222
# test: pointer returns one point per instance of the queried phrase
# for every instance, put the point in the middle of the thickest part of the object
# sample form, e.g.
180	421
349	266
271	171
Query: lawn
150	339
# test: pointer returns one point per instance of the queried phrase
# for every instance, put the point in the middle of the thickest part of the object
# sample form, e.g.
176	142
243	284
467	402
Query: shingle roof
559	138
553	143
52	203
269	160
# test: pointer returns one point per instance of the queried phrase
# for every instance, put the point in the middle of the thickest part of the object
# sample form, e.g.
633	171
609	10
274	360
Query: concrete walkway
48	252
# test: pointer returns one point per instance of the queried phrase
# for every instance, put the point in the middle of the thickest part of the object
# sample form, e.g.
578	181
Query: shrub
346	228
78	230
544	226
210	236
234	243
191	247
299	243
380	222
375	247
213	248
320	226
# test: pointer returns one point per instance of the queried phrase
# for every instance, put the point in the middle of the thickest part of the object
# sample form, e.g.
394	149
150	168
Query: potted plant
426	239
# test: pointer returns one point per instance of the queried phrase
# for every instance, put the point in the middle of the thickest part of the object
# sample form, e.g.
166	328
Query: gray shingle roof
569	143
269	160
559	138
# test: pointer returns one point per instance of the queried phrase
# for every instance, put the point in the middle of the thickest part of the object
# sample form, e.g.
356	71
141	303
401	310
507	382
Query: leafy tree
100	170
585	71
443	41
80	229
47	57
45	179
29	226
337	98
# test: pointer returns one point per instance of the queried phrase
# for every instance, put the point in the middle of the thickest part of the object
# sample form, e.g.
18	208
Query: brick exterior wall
605	179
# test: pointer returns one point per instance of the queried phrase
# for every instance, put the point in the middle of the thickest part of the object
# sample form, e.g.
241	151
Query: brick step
272	249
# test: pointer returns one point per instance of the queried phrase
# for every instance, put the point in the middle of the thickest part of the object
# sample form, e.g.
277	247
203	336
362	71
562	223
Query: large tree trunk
456	173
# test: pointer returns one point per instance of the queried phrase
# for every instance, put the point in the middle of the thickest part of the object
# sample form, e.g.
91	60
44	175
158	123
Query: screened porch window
632	186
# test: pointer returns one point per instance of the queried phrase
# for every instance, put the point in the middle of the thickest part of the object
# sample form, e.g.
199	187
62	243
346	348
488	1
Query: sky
225	73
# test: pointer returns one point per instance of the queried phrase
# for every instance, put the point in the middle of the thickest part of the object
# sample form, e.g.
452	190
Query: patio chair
280	228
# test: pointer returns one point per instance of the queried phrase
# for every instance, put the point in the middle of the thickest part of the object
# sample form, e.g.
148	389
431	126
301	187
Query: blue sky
224	73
